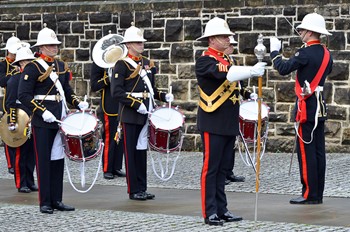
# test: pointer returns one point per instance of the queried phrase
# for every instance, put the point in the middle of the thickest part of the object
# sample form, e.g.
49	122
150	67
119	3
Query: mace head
260	49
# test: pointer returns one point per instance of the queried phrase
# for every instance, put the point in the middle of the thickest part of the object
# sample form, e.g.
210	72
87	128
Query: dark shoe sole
211	223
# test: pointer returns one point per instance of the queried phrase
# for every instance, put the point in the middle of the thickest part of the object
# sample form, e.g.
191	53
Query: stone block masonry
171	28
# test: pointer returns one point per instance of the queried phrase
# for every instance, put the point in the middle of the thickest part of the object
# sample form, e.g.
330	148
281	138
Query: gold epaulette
215	100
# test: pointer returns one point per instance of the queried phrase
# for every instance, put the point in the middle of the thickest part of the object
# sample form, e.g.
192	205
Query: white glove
169	97
83	105
142	109
275	44
253	96
258	69
48	116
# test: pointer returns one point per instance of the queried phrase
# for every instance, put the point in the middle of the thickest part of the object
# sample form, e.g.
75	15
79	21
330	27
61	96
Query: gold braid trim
221	94
45	75
134	73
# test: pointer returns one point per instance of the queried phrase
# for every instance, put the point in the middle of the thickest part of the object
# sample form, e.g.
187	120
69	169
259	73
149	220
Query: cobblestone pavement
274	179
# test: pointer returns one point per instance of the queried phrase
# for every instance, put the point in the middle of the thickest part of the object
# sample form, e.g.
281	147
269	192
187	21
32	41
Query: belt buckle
144	95
58	98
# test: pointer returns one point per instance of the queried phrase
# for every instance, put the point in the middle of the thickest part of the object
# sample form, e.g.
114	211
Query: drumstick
67	124
166	119
83	111
169	111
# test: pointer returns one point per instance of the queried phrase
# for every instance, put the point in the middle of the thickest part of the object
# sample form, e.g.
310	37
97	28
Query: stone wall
171	28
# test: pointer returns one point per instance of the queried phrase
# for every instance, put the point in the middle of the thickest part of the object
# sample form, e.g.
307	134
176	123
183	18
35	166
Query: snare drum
248	119
165	129
80	136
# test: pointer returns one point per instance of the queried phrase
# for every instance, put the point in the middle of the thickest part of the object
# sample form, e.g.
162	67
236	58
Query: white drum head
79	123
249	110
166	118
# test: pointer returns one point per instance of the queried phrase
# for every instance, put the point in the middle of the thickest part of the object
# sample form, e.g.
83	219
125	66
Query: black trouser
312	160
49	172
24	165
112	152
216	152
135	160
231	163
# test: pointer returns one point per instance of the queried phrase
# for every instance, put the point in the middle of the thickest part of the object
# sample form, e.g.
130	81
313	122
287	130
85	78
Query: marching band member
6	70
113	151
44	88
313	63
132	83
24	160
219	100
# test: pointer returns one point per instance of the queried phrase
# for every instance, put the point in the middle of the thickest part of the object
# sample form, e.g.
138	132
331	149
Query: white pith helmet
12	44
232	40
46	37
23	53
133	34
216	26
314	22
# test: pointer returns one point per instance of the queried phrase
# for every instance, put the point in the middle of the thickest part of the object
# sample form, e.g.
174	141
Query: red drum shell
165	129
80	136
248	119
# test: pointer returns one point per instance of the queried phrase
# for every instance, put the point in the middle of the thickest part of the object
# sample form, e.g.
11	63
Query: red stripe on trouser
303	163
17	168
126	154
7	154
205	172
107	142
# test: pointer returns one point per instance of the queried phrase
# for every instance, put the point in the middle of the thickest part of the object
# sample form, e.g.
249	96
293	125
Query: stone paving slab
274	179
28	218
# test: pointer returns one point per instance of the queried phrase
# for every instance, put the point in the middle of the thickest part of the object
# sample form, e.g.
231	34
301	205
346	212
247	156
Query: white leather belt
18	102
48	97
140	94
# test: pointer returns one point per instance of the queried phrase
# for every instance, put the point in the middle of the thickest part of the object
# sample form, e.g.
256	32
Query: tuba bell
17	137
108	51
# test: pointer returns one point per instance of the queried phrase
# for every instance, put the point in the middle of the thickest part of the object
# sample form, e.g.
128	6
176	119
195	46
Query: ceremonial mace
259	51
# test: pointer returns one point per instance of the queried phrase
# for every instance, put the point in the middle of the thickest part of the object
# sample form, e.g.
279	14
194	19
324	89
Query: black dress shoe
108	175
34	188
62	207
227	181
11	171
303	201
119	173
230	217
214	220
234	178
24	190
149	196
140	196
46	209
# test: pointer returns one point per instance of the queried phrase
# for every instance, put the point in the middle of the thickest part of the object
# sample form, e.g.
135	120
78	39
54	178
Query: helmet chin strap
139	51
50	51
220	42
303	36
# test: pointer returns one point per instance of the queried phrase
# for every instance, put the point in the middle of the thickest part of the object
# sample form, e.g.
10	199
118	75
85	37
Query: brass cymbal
14	138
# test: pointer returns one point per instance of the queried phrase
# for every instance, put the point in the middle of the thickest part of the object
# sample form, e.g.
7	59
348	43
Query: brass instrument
108	50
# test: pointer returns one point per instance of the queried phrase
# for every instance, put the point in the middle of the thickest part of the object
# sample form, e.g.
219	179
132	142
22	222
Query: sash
301	111
55	80
57	151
